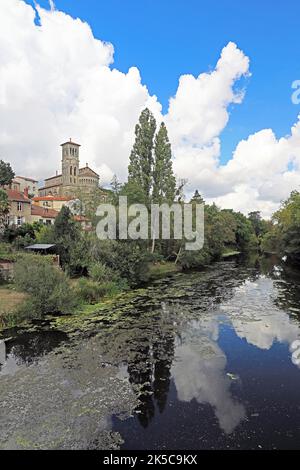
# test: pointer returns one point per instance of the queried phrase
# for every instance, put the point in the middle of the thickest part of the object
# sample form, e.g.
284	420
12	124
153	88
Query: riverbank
12	299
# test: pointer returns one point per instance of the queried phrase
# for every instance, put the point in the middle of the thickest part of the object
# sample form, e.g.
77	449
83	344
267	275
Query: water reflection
199	373
27	348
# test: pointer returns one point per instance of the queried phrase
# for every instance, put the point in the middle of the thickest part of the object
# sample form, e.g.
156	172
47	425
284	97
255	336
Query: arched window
70	170
74	170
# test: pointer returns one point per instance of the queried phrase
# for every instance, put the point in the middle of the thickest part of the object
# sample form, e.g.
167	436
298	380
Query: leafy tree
287	227
128	259
6	173
116	188
66	234
4	209
141	157
164	182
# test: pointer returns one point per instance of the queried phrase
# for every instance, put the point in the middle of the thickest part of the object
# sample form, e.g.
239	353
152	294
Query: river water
194	361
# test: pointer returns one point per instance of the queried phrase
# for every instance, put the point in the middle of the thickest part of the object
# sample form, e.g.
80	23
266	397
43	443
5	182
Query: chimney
86	164
26	192
56	172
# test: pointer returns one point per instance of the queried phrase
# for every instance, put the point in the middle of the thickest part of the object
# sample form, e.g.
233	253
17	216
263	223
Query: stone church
73	180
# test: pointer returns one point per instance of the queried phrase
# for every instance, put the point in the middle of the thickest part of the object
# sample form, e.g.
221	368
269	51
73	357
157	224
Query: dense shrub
48	287
128	259
91	292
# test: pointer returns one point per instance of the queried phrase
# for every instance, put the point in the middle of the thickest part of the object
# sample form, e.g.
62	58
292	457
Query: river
194	361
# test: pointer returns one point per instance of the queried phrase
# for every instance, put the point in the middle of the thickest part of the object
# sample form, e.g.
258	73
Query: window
19	220
70	170
19	206
74	170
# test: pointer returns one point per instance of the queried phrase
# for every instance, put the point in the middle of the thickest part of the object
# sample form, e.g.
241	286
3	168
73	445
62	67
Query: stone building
73	180
27	184
51	202
19	207
43	214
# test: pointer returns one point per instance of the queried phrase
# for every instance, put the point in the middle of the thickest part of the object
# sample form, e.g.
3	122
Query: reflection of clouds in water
8	364
199	373
2	352
260	322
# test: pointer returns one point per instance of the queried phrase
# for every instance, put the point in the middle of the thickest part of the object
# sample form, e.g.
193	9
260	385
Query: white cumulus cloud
57	81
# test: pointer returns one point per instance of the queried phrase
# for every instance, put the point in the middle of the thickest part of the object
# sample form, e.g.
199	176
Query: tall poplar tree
164	181
141	157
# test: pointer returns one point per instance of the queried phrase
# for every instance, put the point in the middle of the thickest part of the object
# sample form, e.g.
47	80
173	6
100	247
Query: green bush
128	259
48	287
99	272
90	291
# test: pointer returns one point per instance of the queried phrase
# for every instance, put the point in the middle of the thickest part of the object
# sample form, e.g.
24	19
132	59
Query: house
27	184
20	207
15	185
72	180
51	202
43	214
85	223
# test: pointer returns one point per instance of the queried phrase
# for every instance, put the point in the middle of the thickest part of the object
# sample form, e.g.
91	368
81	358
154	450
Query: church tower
70	167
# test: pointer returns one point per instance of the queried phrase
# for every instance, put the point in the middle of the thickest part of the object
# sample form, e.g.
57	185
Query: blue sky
168	38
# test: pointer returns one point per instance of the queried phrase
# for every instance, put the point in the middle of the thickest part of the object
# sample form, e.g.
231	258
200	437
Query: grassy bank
159	270
10	301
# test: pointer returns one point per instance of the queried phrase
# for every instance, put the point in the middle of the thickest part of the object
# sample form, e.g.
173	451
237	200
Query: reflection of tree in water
144	337
163	353
28	347
150	370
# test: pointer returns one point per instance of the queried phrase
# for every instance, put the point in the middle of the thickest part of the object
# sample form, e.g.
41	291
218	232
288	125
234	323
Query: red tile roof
43	212
51	198
81	218
16	196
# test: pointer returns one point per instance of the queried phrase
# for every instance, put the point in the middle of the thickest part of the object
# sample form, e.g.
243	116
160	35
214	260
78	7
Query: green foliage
99	272
141	157
90	291
164	182
4	209
47	286
116	189
6	173
270	241
224	230
283	235
70	243
128	259
22	236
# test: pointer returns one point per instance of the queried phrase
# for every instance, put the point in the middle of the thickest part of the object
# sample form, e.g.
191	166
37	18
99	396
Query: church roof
70	142
52	177
87	170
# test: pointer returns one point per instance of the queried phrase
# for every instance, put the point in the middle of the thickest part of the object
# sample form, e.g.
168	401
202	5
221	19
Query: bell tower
70	167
